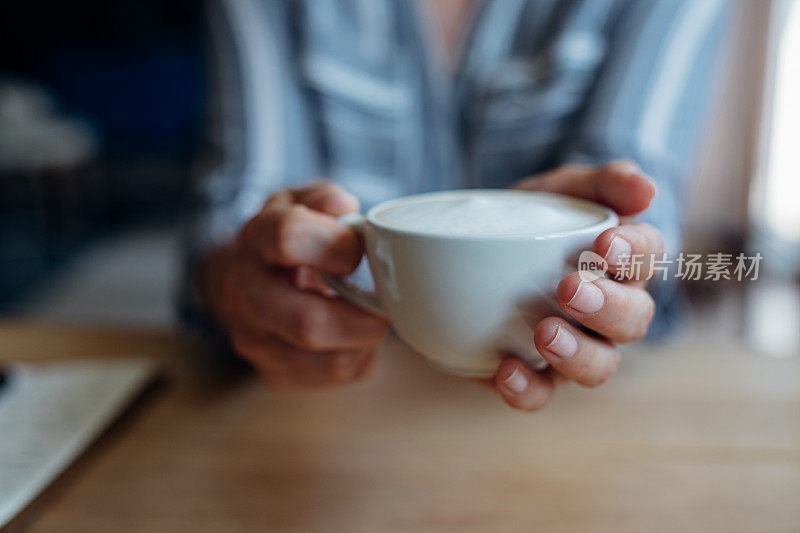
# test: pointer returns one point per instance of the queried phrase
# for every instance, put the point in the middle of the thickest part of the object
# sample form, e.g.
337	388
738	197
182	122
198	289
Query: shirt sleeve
650	99
259	136
649	104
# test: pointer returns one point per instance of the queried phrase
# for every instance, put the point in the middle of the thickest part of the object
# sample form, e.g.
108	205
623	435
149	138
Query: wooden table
696	436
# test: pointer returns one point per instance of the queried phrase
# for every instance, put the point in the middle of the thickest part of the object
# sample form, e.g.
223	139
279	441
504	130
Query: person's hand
618	311
266	291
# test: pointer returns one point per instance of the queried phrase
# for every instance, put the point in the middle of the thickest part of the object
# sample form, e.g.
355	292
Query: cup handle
361	298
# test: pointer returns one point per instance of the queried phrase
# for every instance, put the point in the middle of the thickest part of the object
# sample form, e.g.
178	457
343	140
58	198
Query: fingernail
627	166
588	298
516	382
563	344
618	249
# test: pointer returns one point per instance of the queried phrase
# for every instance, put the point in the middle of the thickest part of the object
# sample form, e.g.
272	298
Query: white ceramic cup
466	301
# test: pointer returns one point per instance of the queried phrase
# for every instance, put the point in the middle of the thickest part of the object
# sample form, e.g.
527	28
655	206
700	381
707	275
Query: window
775	197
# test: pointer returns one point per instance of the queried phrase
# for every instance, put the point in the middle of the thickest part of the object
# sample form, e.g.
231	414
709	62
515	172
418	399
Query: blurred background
101	111
101	114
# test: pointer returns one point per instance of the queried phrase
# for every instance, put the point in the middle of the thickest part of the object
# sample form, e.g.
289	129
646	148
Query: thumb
326	197
620	185
322	196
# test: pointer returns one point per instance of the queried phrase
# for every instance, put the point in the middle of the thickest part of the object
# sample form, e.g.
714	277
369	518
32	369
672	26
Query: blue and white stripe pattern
356	91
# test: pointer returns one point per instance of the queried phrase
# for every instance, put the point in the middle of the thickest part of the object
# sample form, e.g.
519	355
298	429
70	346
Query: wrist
210	282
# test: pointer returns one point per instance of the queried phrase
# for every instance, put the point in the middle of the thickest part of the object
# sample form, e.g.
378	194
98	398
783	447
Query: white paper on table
51	412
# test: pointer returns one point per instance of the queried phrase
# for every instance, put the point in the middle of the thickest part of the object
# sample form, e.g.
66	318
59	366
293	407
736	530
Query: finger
521	387
549	373
629	245
268	302
308	279
297	235
615	310
282	365
574	354
620	185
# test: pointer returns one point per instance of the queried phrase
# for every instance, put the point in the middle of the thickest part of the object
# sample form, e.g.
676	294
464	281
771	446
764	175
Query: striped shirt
359	91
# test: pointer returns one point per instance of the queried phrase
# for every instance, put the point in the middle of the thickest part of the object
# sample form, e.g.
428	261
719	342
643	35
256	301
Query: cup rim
609	215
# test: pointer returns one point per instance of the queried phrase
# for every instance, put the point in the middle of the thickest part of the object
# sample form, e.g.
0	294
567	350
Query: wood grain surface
695	436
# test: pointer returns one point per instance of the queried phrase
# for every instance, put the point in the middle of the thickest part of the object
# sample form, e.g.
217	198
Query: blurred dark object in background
100	118
49	185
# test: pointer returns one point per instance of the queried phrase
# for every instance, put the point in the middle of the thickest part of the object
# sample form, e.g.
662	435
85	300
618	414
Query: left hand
617	311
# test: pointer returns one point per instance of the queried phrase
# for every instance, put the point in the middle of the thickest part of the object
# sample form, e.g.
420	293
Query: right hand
265	289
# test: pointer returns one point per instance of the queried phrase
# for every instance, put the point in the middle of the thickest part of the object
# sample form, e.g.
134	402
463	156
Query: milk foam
485	214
